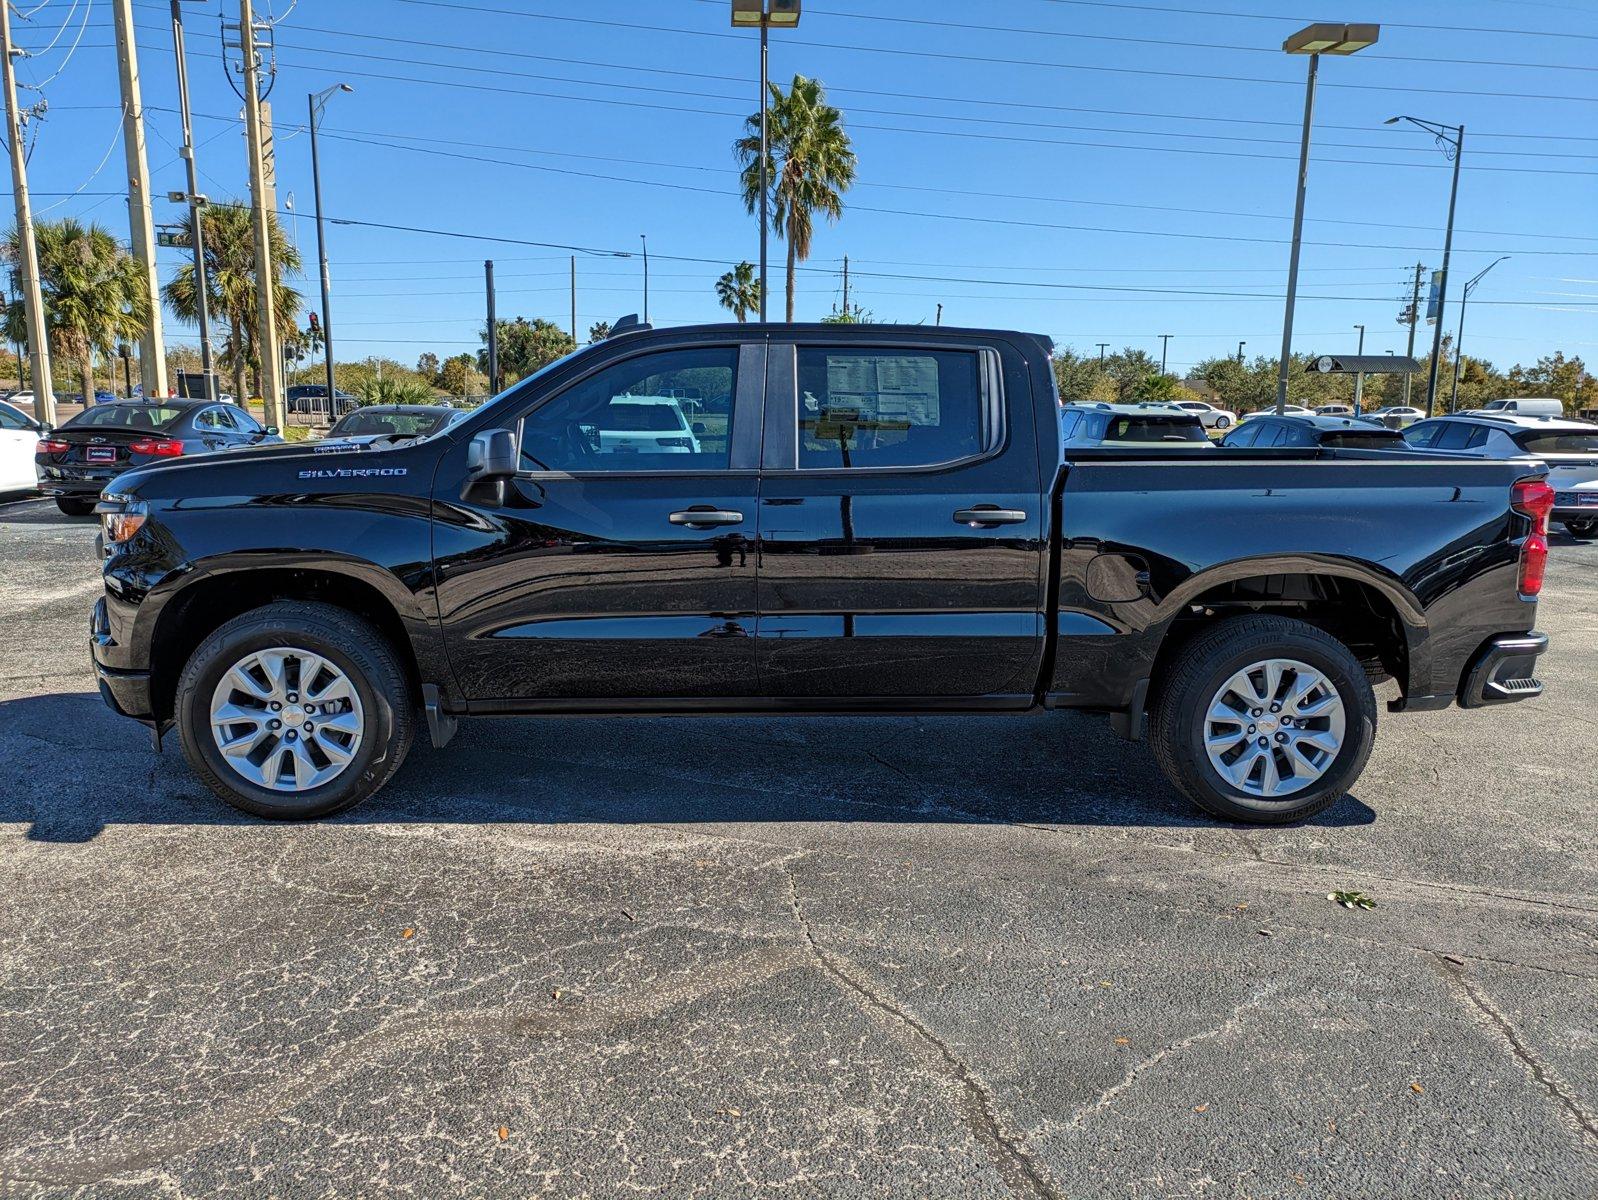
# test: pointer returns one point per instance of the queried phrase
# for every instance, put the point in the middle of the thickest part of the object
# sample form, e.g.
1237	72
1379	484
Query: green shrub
394	391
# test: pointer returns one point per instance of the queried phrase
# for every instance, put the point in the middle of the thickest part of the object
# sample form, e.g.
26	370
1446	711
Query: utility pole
202	299
1414	319
1359	376
574	300
1103	346
845	285
266	345
493	330
1165	342
32	301
141	225
938	320
1240	346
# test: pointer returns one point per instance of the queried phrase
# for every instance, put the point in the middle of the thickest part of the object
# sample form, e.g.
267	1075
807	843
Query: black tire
76	506
1581	529
354	646
1177	723
1223	422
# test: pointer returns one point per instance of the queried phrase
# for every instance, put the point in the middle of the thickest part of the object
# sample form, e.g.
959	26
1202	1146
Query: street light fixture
1313	40
1459	338
766	15
318	102
1451	138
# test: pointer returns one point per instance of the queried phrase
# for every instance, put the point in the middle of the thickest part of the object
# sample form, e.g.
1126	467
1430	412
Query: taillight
159	447
1535	499
51	446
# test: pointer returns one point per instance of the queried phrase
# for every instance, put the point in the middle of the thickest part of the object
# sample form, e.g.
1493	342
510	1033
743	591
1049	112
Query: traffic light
315	327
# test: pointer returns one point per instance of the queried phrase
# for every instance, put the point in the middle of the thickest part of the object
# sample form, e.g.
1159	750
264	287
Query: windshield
1152	429
641	417
395	424
126	416
1558	443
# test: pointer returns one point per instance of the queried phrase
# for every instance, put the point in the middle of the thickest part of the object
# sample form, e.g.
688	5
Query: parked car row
1568	447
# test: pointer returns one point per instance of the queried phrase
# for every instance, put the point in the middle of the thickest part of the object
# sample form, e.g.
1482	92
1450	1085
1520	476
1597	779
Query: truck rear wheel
1263	719
294	710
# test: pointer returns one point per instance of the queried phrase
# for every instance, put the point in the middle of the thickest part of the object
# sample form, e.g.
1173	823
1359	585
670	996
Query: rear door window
892	407
1455	435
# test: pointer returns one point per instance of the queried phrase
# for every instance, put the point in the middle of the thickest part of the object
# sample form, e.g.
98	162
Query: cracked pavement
946	956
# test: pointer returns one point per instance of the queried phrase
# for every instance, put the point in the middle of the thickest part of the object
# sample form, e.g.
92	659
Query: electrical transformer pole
266	344
141	225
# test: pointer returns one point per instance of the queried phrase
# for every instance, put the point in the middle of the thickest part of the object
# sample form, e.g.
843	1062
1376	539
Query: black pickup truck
808	518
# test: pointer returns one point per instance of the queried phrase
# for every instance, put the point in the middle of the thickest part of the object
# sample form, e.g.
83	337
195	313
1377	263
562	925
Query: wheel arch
1373	614
208	598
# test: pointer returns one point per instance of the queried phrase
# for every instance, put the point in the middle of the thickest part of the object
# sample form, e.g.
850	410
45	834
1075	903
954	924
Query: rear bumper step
1502	671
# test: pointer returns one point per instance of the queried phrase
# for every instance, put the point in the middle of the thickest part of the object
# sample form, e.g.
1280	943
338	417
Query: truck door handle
705	517
988	514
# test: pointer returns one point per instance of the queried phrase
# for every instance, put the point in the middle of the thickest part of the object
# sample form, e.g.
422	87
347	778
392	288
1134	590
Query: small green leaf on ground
1352	899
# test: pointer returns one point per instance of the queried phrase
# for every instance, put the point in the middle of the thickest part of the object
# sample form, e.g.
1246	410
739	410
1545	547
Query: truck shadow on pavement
69	767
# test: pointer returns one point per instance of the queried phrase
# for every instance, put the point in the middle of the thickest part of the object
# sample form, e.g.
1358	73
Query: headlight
120	526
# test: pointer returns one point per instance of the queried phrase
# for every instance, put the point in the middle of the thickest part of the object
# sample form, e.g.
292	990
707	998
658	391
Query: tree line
1133	376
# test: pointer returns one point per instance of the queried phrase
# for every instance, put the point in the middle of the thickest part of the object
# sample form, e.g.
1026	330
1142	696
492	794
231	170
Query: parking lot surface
945	956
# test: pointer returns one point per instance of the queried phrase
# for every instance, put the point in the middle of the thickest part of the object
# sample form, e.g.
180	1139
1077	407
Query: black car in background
79	458
1339	433
396	420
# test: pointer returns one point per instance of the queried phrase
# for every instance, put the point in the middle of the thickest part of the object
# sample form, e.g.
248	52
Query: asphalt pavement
935	957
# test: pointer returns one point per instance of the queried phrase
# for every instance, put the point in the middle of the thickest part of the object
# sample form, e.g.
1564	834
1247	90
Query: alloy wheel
286	719
1274	728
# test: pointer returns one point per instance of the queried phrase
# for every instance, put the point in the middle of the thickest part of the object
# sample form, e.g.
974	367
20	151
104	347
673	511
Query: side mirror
699	429
272	431
491	455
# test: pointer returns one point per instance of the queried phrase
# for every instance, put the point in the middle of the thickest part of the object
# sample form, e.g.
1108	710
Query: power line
989	59
947	117
982	136
1210	12
636	68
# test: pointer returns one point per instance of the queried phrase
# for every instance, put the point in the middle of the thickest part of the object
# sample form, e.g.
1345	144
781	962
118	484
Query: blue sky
1098	171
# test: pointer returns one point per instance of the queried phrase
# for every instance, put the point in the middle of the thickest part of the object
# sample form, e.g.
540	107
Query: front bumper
126	692
1501	672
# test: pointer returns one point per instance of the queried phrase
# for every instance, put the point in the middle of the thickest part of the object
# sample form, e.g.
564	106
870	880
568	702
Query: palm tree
811	164
230	285
739	291
93	294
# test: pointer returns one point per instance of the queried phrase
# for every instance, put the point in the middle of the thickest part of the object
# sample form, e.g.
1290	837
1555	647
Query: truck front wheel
294	710
1263	719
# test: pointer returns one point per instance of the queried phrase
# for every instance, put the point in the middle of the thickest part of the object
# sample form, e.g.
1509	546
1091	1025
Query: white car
645	425
1403	414
19	440
1569	448
1289	410
1209	416
1333	410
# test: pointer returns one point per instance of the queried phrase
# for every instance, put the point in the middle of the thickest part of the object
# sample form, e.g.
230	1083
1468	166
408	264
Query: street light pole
1313	40
202	299
1453	147
317	102
1459	338
764	14
644	238
1359	376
